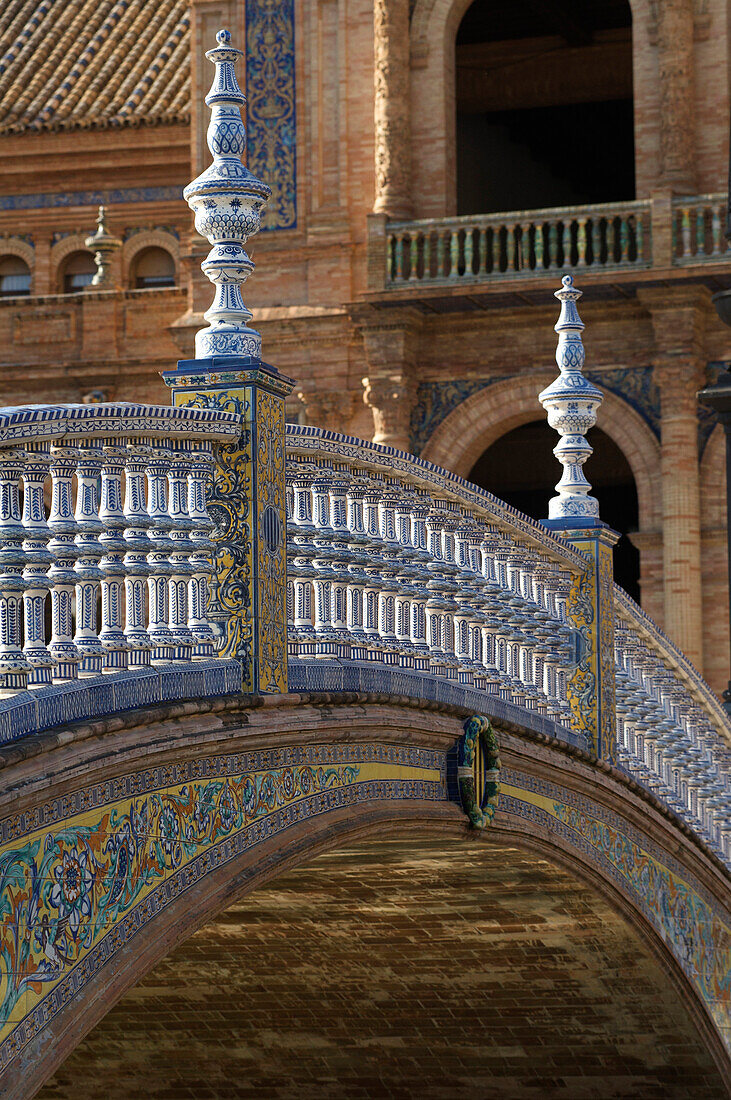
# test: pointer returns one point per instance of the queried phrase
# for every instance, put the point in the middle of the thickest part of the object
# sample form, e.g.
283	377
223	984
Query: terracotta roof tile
68	64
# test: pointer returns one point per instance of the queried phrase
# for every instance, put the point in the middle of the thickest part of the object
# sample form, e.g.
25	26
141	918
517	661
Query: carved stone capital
391	400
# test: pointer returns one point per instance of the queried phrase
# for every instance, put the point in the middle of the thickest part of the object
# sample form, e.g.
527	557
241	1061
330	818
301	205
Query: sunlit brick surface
402	971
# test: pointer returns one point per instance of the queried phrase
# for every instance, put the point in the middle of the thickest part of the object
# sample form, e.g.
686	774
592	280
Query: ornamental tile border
106	197
130	845
669	896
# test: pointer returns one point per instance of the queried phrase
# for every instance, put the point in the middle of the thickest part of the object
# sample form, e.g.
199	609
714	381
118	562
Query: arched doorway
531	79
527	484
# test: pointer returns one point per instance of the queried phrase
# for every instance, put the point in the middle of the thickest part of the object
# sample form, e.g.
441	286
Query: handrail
461	221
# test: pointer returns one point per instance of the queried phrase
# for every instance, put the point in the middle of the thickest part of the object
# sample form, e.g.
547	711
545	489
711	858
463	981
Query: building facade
434	164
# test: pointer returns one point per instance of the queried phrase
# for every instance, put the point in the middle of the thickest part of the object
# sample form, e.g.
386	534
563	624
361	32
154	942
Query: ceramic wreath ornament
227	201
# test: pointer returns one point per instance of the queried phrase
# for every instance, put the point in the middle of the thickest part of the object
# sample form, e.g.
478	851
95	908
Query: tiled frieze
109	858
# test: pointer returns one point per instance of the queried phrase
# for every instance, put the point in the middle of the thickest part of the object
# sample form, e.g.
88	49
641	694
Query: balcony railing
698	225
619	237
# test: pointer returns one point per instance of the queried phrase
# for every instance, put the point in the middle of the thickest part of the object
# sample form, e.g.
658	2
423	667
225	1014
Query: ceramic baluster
137	568
61	574
14	665
38	561
112	563
181	527
201	558
89	554
158	558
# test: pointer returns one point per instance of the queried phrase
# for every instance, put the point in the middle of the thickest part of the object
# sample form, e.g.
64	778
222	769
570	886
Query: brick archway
16	246
434	26
456	928
620	842
60	252
483	418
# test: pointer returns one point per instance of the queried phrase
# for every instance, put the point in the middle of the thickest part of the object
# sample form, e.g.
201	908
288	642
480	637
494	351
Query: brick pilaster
678	319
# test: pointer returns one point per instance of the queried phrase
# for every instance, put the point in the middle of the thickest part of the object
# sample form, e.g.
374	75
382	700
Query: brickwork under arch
524	978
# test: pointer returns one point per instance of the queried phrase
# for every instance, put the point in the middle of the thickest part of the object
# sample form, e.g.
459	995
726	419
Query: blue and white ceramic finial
227	201
571	403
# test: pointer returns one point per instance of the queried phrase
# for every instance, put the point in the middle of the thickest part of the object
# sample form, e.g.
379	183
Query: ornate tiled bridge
266	641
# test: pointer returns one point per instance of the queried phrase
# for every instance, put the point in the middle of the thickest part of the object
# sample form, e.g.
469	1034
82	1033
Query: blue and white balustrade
123	554
403	578
397	564
672	733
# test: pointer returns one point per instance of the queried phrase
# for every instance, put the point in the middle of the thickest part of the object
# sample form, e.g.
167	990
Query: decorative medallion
478	771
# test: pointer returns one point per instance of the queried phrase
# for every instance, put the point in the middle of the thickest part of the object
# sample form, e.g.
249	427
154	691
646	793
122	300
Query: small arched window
14	277
78	271
153	267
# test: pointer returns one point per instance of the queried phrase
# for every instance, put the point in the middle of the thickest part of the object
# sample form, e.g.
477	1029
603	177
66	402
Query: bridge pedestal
590	610
247	504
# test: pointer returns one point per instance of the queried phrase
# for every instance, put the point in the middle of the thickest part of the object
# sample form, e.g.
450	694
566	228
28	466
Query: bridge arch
391	774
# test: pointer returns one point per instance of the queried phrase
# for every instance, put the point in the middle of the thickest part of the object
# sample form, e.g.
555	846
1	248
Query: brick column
392	121
678	319
677	113
391	347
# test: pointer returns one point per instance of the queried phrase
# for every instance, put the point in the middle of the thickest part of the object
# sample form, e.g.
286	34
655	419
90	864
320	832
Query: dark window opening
544	105
78	272
14	277
522	470
154	267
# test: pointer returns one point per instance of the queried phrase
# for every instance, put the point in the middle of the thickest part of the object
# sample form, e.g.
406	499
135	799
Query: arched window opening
544	105
153	267
522	470
78	271
14	277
